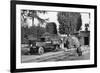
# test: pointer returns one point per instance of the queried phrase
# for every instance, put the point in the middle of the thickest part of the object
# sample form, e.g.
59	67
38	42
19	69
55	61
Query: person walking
77	45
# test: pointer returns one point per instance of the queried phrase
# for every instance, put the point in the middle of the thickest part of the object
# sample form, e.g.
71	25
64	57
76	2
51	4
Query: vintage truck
44	45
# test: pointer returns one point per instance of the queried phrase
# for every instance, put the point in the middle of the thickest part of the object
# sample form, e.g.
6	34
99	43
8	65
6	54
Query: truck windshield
42	39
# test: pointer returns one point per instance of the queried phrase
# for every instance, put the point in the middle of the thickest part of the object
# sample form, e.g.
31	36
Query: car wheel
40	50
56	47
31	51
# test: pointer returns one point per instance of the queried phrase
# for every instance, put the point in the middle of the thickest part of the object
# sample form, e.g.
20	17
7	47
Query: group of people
71	42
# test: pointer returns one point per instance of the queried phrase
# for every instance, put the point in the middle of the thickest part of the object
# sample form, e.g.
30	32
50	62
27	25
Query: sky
53	18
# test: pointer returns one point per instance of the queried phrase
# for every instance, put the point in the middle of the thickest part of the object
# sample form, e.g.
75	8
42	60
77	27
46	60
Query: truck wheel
31	51
56	48
40	50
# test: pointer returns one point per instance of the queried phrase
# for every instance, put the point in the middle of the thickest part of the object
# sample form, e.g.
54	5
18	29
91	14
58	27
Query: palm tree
34	14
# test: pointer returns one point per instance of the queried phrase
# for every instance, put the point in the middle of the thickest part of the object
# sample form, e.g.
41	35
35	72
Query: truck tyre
31	51
56	48
40	50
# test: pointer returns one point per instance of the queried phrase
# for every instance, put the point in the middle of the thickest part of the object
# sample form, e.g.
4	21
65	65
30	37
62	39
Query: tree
36	31
51	28
33	14
70	22
24	34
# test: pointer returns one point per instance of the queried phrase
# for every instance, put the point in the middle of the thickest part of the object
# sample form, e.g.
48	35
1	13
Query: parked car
43	45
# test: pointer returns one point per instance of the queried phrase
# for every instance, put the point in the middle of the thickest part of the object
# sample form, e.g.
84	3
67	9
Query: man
79	51
77	45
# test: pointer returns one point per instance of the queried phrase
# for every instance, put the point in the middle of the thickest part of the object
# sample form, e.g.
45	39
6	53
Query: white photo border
20	65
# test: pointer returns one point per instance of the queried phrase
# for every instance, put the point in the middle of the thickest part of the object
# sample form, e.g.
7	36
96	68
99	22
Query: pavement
60	55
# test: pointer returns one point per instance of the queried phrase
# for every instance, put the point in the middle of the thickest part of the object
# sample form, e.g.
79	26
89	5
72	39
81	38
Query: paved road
56	56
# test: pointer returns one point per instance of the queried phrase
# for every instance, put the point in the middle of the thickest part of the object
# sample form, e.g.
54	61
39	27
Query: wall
5	36
83	35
